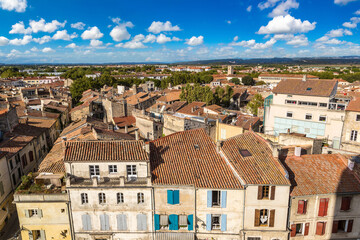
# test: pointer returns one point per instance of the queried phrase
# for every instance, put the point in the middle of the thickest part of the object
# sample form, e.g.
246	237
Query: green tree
236	81
256	102
247	80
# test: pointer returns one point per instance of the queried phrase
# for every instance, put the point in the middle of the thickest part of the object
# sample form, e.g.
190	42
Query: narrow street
11	231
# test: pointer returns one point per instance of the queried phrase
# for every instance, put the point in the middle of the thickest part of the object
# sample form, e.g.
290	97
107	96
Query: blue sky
89	31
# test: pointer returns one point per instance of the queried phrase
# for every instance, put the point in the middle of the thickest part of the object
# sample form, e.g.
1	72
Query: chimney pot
297	152
351	163
218	146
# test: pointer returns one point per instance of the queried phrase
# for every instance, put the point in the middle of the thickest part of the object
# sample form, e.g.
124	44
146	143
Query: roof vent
308	89
196	146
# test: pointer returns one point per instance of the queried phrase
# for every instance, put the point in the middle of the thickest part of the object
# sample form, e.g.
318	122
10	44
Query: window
290	102
302	204
264	192
308	116
131	172
323	207
215	198
353	136
320	228
14	179
112	169
33	213
94	171
183	222
345	203
11	164
164	221
37	234
215	222
289	114
173	196
31	156
84	198
322	104
308	89
358	117
140	198
24	160
307	103
299	228
322	119
254	238
102	198
342	226
223	133
264	217
120	198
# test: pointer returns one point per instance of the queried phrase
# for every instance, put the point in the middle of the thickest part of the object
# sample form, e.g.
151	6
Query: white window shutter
42	235
40	213
27	213
31	235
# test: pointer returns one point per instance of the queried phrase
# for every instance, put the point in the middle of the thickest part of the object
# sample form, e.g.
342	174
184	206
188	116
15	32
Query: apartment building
270	78
307	107
350	140
325	197
109	187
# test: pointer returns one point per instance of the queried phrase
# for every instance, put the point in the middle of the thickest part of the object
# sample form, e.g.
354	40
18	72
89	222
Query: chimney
218	146
64	139
304	78
192	109
147	147
126	129
351	163
137	134
297	151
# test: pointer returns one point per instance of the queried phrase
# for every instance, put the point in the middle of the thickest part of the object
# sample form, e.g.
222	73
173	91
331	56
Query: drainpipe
153	212
71	220
288	217
195	215
243	222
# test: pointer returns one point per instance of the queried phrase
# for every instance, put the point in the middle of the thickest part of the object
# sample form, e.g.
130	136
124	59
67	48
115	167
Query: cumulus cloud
150	38
42	40
343	2
299	40
194	41
20	28
34	49
357	12
13	53
120	33
13	5
95	43
265	45
283	8
161	39
63	35
92	33
4	41
243	43
78	25
286	24
47	50
249	8
21	41
353	22
228	22
338	33
71	45
131	45
42	26
157	27
267	4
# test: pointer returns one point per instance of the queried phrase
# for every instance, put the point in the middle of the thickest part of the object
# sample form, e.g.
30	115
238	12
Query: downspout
72	231
288	217
195	216
243	222
153	212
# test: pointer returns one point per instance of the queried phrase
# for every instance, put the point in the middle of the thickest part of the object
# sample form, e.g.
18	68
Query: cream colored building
5	192
350	134
225	131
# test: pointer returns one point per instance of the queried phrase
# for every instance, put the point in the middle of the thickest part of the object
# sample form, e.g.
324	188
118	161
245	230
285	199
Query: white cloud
343	2
4	41
139	38
286	37
20	28
78	25
42	40
95	43
286	24
71	45
47	50
131	45
13	53
243	43
34	49
357	12
304	51
120	33
283	8
353	22
228	22
42	26
300	40
63	35
249	8
150	38
338	33
236	38
92	33
265	45
161	39
202	51
194	41
13	5
267	4
21	41
157	27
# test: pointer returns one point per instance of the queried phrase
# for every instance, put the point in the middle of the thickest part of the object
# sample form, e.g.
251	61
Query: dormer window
308	89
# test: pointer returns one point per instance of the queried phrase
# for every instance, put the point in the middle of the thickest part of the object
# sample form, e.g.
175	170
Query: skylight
245	153
308	89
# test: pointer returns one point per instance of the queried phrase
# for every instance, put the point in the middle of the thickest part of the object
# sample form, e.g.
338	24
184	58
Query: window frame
113	169
322	116
102	198
264	212
131	172
218	226
140	198
357	118
120	198
218	202
95	171
308	115
353	135
266	189
84	198
287	114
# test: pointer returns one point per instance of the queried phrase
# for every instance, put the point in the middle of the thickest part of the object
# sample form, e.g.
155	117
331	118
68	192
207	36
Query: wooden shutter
272	218
272	194
176	194
323	206
335	226
190	219
141	222
88	221
208	222
174	222
107	223
293	230
260	193
345	203
301	204
42	234
121	222
27	213
223	199
305	207
223	222
157	221
1	188
102	222
350	225
209	198
320	228
40	213
31	237
306	230
170	196
84	222
257	218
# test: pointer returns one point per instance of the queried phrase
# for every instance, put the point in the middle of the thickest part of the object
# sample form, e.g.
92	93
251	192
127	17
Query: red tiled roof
354	105
190	158
320	88
124	121
259	168
299	76
106	151
193	108
321	174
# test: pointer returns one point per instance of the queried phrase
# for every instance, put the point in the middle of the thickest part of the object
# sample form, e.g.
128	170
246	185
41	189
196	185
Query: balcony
73	181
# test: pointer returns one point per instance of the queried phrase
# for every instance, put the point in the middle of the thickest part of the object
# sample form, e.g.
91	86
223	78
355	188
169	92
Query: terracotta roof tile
320	88
123	121
193	108
354	105
190	158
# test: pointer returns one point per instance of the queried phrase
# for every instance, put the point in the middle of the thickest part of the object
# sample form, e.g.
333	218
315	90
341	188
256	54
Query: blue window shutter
170	197
176	196
174	222
223	199
223	222
208	222
121	222
157	221
209	198
190	222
